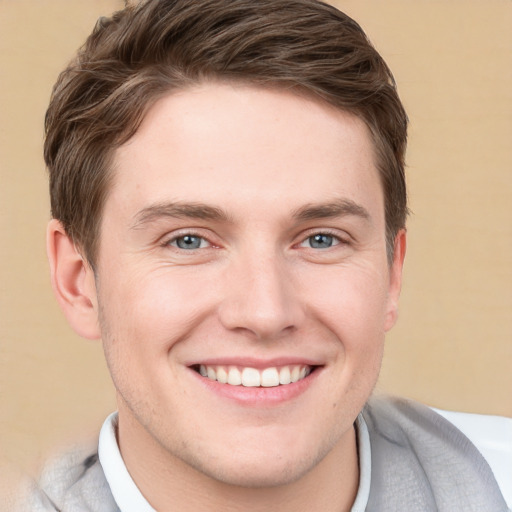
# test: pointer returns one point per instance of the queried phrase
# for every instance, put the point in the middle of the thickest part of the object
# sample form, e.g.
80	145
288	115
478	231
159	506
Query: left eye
189	242
320	241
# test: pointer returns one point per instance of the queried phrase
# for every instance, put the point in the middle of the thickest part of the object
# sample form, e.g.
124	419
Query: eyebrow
178	210
312	211
338	208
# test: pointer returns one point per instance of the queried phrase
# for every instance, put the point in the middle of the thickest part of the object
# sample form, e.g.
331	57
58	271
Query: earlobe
73	282
395	279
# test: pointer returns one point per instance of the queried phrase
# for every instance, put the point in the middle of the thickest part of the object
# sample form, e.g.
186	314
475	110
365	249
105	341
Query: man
229	204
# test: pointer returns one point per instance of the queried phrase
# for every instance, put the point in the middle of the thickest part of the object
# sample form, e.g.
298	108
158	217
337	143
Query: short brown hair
147	50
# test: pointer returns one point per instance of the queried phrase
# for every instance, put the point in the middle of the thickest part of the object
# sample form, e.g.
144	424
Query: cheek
154	306
138	319
144	318
350	301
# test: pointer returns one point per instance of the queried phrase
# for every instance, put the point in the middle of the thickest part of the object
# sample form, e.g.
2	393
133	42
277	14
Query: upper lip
251	362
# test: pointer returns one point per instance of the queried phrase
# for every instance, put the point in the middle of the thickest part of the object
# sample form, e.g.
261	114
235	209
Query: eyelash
173	241
337	239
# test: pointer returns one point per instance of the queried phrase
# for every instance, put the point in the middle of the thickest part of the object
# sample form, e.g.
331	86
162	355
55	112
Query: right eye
189	242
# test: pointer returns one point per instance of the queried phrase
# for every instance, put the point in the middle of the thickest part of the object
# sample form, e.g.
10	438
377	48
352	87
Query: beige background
452	347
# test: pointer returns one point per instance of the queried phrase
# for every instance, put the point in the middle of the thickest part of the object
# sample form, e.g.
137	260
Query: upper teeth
251	377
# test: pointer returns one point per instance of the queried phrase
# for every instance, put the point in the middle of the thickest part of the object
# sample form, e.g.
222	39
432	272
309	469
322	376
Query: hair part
150	49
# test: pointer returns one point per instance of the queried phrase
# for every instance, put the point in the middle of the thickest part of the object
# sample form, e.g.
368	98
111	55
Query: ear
73	282
395	279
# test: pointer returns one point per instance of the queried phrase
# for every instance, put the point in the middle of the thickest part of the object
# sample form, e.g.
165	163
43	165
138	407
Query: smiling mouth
252	377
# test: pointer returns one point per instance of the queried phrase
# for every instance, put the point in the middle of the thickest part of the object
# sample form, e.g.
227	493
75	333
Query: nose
261	298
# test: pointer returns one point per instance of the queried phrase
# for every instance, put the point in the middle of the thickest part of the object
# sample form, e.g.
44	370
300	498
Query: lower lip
259	396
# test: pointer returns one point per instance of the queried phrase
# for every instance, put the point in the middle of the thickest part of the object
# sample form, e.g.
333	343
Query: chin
258	465
260	473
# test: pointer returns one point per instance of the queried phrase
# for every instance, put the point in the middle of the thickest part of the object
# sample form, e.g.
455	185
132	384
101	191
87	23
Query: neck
168	483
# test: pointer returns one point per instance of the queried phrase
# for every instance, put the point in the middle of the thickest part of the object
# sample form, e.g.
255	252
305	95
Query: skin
269	170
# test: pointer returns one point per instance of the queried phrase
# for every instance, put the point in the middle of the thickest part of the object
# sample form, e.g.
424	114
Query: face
242	282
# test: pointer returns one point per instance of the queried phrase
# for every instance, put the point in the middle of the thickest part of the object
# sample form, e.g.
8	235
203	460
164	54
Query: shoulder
73	481
492	436
417	452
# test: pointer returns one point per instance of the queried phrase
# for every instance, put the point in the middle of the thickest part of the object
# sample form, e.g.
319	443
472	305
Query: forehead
240	144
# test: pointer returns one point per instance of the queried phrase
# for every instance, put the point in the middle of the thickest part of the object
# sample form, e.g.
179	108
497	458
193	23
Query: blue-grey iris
189	242
321	241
